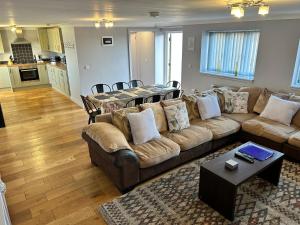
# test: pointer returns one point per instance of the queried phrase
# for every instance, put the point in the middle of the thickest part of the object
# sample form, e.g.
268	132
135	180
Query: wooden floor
45	163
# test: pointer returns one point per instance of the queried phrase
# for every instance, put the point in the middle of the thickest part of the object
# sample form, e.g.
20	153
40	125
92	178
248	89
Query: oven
27	74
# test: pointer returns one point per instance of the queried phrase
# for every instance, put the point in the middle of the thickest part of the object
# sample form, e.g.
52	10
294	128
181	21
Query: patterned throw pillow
177	117
119	119
236	102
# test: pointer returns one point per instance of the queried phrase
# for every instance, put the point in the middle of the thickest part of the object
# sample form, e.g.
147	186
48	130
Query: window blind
230	54
296	75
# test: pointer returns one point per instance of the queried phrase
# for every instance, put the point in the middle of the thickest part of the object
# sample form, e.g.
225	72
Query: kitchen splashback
22	53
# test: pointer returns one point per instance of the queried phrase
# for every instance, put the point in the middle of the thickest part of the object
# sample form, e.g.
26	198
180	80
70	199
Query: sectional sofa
111	147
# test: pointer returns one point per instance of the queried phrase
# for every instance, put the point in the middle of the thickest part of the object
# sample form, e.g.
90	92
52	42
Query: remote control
244	157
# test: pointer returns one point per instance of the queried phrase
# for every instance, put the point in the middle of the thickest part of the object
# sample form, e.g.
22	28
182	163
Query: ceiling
132	13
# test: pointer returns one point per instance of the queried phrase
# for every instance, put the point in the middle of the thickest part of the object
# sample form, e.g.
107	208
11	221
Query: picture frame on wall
107	41
191	44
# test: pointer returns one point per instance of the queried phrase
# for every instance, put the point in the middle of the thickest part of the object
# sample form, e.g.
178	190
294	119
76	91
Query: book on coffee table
256	152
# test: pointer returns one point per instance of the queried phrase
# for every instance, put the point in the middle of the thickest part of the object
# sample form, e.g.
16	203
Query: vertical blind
231	53
296	75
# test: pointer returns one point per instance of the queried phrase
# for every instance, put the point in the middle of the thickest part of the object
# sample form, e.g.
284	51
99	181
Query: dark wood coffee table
218	185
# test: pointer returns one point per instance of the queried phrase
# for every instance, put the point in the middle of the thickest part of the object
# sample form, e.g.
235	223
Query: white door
142	56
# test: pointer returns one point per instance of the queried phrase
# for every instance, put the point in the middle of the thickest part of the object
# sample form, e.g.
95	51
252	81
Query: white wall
99	64
72	63
275	62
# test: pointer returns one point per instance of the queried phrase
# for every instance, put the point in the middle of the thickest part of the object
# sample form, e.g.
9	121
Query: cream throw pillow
208	107
280	110
236	102
177	117
143	127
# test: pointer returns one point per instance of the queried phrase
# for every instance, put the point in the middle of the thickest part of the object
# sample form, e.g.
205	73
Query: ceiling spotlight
237	11
263	10
97	24
109	24
13	28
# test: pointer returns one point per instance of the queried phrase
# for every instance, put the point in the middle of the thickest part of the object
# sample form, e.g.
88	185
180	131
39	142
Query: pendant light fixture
238	8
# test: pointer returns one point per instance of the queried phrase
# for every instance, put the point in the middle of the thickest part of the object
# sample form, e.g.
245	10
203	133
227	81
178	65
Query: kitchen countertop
58	65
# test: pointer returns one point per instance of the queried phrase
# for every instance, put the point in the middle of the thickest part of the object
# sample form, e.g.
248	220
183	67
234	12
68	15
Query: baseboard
77	101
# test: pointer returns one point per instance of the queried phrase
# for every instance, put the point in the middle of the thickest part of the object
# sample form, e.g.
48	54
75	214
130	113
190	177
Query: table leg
217	193
272	173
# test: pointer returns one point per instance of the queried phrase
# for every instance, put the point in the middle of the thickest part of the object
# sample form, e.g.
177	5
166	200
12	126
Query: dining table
109	101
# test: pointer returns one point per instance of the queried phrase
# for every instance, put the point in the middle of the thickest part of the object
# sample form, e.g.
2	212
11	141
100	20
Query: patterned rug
173	199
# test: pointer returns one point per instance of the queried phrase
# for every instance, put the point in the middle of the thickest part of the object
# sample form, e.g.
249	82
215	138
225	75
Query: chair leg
93	119
89	120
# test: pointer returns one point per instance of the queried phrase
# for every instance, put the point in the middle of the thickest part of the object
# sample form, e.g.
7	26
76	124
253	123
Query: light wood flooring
45	163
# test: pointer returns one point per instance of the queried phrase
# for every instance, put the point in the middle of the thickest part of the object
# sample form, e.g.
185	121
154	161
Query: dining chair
172	94
99	88
119	86
173	83
91	109
152	99
135	102
135	83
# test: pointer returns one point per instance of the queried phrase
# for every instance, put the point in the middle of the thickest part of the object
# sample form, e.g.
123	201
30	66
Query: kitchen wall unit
43	38
1	45
50	39
4	78
58	78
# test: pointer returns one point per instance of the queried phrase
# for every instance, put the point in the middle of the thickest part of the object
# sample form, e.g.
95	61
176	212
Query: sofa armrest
109	137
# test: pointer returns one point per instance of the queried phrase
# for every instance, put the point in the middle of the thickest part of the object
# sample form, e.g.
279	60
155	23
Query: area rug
173	199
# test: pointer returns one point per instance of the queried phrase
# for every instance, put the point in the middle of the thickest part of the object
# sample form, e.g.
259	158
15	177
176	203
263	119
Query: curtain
296	75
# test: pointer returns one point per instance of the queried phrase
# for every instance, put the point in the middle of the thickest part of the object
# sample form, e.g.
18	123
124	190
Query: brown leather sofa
128	165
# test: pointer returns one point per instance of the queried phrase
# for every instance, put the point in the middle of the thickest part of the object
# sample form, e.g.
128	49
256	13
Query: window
230	54
296	75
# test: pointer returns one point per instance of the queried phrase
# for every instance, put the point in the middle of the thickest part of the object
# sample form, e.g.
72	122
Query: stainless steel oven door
29	74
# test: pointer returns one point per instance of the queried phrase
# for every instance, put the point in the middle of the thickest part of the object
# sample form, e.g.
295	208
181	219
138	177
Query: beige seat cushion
190	137
268	129
159	114
110	138
295	140
156	151
106	117
254	93
191	106
119	119
220	126
240	117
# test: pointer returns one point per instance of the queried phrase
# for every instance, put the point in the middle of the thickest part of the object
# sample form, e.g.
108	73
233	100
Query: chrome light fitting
105	23
238	8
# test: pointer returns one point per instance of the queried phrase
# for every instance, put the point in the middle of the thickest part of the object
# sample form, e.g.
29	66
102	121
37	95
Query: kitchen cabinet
1	45
58	79
43	74
4	78
14	75
55	40
43	38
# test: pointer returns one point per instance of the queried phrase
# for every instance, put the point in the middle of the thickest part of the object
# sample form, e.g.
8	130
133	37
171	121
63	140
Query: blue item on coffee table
256	152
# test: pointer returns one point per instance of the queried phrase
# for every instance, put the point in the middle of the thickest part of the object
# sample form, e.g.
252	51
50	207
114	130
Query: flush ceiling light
238	8
97	24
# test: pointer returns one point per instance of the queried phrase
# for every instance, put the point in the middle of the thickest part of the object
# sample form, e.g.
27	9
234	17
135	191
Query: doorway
174	56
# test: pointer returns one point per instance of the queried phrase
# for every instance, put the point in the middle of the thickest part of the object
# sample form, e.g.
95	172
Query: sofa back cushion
119	119
143	127
191	106
159	115
254	93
